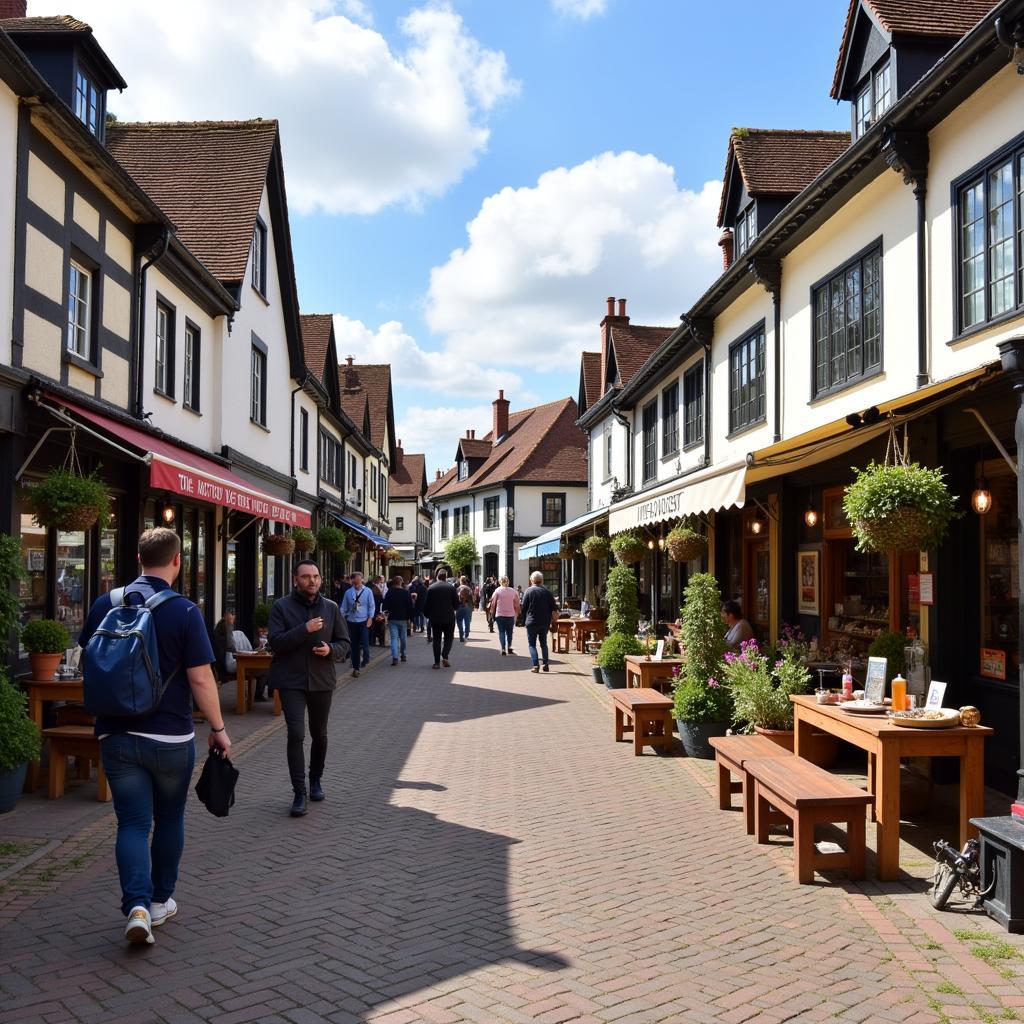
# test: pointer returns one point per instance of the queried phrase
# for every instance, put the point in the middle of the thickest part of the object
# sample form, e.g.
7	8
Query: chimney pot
13	8
348	360
725	240
611	305
622	307
499	423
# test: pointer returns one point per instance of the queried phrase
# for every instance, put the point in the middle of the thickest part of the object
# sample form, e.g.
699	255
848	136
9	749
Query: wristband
221	729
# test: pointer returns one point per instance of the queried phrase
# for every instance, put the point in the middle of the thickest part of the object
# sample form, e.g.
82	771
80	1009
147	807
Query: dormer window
87	102
746	229
873	98
463	469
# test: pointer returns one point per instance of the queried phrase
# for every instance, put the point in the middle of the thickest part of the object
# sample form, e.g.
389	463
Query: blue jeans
399	630
359	637
505	623
149	783
535	634
418	620
463	617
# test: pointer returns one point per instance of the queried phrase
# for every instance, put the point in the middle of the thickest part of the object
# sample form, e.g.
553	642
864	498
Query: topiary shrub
614	648
261	614
460	553
45	636
622	596
700	695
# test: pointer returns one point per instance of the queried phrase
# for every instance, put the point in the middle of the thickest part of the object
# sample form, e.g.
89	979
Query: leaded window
670	419
650	439
746	381
693	405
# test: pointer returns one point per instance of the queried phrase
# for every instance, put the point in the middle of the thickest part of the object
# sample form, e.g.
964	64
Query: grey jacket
295	666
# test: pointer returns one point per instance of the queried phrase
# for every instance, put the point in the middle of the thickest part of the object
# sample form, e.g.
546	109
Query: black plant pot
12	781
614	678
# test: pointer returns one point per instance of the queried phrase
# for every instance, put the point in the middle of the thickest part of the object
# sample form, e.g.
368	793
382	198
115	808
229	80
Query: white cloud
529	287
364	125
435	431
582	9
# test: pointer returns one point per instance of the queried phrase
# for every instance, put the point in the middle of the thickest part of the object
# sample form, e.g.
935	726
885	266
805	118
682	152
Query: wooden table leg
803	840
972	786
887	814
802	735
855	845
240	708
724	787
871	784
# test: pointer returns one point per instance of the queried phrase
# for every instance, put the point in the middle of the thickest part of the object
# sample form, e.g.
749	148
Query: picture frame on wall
808	582
993	663
36	559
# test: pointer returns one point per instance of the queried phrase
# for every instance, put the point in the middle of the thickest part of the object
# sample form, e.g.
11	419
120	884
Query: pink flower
713	682
730	657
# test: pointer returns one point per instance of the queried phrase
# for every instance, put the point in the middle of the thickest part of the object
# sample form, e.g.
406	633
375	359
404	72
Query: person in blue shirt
358	608
148	761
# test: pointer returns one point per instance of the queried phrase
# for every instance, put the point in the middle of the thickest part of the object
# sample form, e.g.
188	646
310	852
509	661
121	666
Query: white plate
863	707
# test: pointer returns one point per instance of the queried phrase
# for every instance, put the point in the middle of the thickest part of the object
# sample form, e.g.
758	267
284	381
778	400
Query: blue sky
468	179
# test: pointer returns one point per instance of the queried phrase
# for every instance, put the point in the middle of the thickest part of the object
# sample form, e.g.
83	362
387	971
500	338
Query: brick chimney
499	424
348	359
399	454
13	8
438	474
610	320
725	241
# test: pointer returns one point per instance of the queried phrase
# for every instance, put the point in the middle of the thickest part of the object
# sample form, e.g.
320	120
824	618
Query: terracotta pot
823	749
785	738
44	666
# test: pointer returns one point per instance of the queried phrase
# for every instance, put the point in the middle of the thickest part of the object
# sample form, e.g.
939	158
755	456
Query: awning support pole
1012	463
773	516
39	444
241	530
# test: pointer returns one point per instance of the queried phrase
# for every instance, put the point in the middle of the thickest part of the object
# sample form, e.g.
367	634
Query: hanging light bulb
661	543
811	515
650	545
167	514
757	523
981	499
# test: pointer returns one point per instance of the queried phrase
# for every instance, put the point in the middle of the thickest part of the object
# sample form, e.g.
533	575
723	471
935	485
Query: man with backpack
148	758
464	612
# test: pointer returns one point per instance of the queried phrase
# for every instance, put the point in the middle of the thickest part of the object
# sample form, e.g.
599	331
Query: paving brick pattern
487	853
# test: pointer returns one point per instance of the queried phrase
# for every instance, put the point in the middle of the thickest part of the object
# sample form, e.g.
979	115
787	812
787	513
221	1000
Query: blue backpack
122	677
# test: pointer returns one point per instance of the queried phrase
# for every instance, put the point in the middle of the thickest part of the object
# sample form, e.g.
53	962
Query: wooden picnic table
651	675
248	665
39	692
886	744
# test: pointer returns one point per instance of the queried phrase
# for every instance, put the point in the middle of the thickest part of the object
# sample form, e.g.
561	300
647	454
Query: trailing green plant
331	539
460	552
621	593
278	544
597	547
890	646
699	694
628	548
68	501
12	572
899	507
684	544
19	735
261	614
45	636
761	687
305	540
614	648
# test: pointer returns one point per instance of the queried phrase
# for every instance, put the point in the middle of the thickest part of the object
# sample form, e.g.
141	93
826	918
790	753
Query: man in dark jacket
488	592
419	595
539	608
439	609
307	635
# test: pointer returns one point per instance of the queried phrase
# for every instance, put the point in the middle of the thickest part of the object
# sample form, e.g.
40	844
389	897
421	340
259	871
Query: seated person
737	629
226	641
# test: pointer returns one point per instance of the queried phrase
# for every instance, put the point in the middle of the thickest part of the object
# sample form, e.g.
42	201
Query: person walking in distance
503	608
490	586
148	761
418	592
440	606
398	606
464	612
540	609
358	609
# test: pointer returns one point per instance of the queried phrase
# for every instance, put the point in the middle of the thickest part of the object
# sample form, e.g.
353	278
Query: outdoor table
39	691
563	635
250	664
651	675
584	628
886	744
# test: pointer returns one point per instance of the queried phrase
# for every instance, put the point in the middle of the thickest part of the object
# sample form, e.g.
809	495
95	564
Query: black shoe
299	805
394	661
403	657
316	790
543	668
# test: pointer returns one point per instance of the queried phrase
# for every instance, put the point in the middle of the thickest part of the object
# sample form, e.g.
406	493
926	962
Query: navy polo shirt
182	642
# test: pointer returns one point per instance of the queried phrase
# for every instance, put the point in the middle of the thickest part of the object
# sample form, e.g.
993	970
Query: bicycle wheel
943	883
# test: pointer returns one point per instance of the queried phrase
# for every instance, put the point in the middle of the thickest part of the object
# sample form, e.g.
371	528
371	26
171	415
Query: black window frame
670	420
93	92
304	440
747	217
695	421
491	518
649	441
399	522
169	342
857	260
259	260
444	524
557	519
258	353
192	397
755	335
868	85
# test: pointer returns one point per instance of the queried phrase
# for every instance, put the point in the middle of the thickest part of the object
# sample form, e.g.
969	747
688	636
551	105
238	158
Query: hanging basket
331	540
684	544
597	548
277	545
353	544
628	548
566	552
66	500
905	529
305	540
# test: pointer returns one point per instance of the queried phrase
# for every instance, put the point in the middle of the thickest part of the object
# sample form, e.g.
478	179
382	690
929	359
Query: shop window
32	589
108	556
187	554
71	597
202	545
1000	583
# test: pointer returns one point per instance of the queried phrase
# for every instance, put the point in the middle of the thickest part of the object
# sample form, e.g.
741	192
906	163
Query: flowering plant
761	687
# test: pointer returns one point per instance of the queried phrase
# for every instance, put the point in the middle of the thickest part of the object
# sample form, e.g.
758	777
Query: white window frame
190	385
79	310
163	368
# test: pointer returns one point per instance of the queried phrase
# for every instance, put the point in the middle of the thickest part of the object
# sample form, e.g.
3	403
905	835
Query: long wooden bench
809	796
73	741
731	753
645	712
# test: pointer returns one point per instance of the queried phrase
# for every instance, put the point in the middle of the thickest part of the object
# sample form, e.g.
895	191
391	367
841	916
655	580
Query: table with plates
248	665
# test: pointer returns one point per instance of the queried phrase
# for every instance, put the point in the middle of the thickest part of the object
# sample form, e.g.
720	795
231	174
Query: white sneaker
139	930
160	912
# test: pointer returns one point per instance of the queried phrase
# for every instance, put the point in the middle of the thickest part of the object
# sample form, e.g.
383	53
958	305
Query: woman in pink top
504	607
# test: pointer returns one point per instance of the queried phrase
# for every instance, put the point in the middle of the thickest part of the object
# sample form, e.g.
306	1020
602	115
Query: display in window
1000	582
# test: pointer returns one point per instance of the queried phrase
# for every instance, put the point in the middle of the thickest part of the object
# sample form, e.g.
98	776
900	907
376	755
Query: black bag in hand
216	785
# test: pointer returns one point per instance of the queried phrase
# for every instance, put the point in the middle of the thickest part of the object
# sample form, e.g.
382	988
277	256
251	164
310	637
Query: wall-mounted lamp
865	418
811	515
511	513
758	523
981	499
661	543
167	514
650	545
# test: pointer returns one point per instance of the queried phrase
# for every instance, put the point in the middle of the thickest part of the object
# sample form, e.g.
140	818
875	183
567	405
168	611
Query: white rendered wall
8	191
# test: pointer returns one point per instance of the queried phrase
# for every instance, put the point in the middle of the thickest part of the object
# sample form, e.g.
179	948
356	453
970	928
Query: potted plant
899	507
621	591
19	743
703	704
892	647
331	540
612	658
68	501
278	544
684	544
46	641
305	540
261	617
596	548
628	548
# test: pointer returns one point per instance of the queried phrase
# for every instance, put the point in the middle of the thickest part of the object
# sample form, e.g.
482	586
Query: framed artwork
808	585
993	663
36	559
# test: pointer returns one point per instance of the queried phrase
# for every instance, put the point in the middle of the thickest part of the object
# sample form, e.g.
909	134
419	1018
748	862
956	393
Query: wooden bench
647	713
809	796
73	741
731	753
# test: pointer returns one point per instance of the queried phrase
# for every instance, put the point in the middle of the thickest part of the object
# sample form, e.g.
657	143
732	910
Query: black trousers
442	631
295	704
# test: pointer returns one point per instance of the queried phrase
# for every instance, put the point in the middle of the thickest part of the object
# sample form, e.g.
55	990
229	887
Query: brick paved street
486	853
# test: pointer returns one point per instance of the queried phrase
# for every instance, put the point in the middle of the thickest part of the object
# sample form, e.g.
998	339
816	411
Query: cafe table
563	632
886	745
250	664
584	628
39	692
653	675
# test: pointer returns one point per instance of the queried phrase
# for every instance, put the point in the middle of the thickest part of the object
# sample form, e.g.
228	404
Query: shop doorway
758	587
491	563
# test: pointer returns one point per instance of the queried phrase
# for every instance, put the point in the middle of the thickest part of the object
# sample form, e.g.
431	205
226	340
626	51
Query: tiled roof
406	480
316	340
57	23
368	384
590	373
633	345
946	19
542	444
208	176
780	161
475	447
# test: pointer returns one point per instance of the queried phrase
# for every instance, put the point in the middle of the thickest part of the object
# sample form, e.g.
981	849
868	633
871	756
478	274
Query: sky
469	179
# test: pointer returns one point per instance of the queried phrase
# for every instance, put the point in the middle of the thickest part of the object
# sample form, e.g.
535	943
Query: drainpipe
291	445
629	446
920	190
140	329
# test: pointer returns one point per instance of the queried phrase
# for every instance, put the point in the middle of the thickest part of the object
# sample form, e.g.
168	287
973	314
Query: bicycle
957	868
